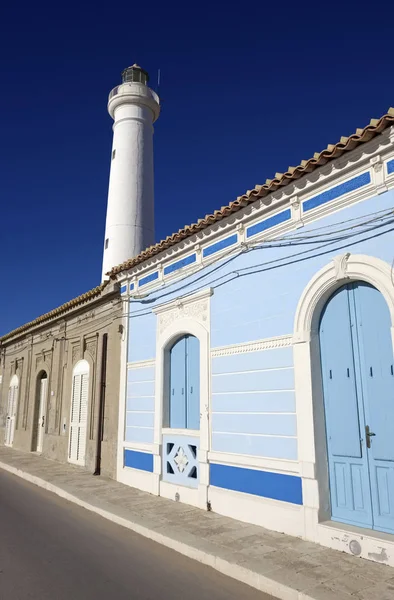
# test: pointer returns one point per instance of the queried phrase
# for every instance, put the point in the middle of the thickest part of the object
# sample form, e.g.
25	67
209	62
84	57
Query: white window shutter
83	418
78	421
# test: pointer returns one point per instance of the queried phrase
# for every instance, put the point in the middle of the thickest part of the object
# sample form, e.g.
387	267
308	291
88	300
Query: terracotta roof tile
57	311
375	127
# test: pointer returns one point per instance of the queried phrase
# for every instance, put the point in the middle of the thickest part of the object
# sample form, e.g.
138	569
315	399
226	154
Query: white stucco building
257	374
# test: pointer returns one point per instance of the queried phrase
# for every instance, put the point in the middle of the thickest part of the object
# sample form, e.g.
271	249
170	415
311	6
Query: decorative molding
282	341
378	174
75	352
142	364
194	307
91	347
86	316
340	266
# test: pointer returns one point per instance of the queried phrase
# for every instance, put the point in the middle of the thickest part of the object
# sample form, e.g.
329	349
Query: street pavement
51	549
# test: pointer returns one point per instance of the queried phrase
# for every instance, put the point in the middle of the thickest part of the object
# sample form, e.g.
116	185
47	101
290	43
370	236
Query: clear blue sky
247	89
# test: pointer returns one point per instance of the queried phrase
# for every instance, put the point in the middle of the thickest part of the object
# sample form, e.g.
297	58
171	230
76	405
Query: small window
106	243
113	154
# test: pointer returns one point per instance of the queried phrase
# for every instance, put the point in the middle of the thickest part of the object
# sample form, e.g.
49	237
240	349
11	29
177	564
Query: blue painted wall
253	405
140	405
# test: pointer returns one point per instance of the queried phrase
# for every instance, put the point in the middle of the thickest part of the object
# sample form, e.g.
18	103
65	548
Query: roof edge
79	301
345	144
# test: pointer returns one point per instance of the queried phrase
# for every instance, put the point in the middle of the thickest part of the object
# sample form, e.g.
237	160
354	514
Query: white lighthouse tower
129	226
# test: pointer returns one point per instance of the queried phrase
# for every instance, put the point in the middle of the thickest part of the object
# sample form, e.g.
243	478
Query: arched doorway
12	405
40	411
79	413
182	414
358	387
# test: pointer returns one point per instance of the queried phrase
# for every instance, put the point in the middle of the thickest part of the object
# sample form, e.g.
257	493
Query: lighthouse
129	226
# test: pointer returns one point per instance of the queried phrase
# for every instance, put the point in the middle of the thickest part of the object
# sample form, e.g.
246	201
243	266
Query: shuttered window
78	418
11	411
184	408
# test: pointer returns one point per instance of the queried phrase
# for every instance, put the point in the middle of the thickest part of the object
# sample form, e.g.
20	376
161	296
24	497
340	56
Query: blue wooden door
185	384
357	367
178	384
193	382
348	465
376	372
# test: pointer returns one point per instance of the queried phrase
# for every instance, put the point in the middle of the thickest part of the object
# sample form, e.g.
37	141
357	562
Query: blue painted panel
138	460
148	278
140	388
178	384
255	445
139	434
348	467
256	381
377	376
193	382
189	260
264	424
131	287
390	167
142	337
264	402
145	374
180	461
268	223
230	241
140	419
338	190
277	486
250	361
123	289
141	404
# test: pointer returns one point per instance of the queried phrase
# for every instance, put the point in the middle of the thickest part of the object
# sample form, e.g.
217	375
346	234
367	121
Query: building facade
257	366
60	382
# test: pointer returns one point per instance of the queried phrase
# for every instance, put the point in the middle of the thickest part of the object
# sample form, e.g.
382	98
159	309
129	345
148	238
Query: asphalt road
52	549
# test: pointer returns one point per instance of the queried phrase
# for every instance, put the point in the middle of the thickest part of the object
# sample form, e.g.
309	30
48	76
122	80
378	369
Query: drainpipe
100	426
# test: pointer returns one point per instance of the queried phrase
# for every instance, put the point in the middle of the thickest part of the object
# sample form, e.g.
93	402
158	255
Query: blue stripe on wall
180	264
254	381
255	445
139	434
264	359
138	460
131	287
277	486
390	166
152	277
267	223
259	402
123	289
265	424
230	241
338	190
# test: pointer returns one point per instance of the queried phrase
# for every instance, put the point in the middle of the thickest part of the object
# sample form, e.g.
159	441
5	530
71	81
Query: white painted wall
129	225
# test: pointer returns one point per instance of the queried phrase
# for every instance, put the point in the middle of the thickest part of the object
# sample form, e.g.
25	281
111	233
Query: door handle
368	435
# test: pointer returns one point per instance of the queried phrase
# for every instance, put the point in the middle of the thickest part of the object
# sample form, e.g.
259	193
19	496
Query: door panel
41	414
178	384
347	461
193	382
376	372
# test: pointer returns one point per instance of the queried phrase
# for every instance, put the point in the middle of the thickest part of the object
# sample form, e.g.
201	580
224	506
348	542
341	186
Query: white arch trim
81	368
186	316
342	269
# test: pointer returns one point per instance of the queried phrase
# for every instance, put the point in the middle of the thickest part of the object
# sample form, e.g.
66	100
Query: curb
256	580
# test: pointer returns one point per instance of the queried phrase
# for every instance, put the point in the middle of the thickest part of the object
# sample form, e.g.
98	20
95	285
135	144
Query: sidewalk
286	567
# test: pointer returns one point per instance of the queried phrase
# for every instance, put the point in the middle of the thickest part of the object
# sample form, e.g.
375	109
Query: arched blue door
358	385
184	406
